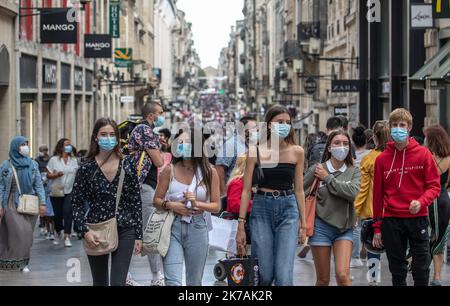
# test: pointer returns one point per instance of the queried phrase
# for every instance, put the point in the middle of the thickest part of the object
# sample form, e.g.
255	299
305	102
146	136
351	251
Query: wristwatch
242	220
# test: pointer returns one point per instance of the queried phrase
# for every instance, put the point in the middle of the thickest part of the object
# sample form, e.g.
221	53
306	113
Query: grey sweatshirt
335	201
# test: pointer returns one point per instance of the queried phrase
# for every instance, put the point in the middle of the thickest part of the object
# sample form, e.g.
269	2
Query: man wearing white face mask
335	213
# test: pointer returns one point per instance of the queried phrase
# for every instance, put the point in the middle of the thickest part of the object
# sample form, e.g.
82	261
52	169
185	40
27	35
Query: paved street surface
49	267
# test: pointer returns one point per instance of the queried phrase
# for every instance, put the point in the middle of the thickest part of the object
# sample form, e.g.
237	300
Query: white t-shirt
57	164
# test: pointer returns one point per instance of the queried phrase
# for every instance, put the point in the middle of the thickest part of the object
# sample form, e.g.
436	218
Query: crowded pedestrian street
224	143
53	266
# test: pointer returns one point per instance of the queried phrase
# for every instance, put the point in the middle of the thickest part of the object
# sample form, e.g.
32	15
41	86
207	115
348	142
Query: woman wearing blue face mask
190	188
62	169
338	187
98	181
279	203
16	230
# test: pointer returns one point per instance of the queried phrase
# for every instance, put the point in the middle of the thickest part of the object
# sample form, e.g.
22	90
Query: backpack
125	129
316	153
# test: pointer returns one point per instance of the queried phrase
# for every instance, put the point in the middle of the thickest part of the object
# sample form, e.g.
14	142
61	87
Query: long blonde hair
239	169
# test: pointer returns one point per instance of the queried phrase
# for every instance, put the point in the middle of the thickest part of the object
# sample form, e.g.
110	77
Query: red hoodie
401	177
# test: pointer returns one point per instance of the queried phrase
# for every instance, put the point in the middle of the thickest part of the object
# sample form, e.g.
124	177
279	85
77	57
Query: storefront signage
126	99
345	86
310	86
123	57
97	46
341	111
441	9
421	16
56	27
114	19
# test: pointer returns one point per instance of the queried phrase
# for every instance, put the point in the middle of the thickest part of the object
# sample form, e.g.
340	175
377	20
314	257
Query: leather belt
276	194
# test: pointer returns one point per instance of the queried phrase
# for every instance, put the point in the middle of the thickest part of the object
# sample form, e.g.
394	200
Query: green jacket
335	201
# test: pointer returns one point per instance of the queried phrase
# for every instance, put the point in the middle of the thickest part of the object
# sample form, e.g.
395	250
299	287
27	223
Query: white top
176	190
332	170
360	155
57	164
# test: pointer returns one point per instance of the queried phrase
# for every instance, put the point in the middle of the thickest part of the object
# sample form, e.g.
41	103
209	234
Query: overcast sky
211	24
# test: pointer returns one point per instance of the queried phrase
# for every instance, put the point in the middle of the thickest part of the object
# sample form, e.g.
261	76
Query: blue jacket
6	176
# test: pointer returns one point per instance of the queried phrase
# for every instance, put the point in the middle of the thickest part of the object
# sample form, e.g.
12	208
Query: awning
443	72
427	70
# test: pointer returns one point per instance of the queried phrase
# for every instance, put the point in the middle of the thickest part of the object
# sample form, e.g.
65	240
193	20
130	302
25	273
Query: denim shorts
327	235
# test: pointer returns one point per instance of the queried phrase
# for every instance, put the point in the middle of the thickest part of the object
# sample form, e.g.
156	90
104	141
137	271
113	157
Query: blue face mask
254	136
281	129
399	135
160	121
107	143
68	149
184	150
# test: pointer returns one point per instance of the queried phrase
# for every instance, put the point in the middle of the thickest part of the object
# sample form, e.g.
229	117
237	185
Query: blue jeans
189	243
356	241
274	230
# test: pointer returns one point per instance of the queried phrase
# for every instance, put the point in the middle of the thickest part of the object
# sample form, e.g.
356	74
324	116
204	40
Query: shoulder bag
57	190
28	204
106	232
310	208
158	231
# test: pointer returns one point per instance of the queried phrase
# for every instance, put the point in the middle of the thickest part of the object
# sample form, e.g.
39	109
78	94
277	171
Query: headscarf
22	164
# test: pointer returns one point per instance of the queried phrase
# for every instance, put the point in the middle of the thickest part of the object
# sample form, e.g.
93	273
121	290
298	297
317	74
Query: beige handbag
157	233
28	204
57	191
106	232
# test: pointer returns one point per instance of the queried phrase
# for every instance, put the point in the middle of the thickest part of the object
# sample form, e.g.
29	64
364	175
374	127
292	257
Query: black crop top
279	178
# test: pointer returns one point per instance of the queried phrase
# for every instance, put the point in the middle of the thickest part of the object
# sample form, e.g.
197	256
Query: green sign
441	9
222	91
114	19
123	57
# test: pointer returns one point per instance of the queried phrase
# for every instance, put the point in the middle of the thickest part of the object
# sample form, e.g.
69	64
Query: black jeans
120	261
63	213
396	234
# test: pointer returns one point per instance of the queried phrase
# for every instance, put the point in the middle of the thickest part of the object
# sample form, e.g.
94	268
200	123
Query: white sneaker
26	270
131	282
73	235
356	263
67	243
52	237
47	237
157	283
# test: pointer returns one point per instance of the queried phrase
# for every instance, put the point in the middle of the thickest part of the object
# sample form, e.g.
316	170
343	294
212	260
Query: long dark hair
438	141
272	113
59	148
198	162
327	153
94	148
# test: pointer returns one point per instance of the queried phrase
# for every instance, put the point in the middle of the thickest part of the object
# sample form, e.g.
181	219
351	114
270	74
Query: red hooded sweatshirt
401	177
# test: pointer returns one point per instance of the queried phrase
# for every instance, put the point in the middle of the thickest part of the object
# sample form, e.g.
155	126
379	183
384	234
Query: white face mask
25	151
340	153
